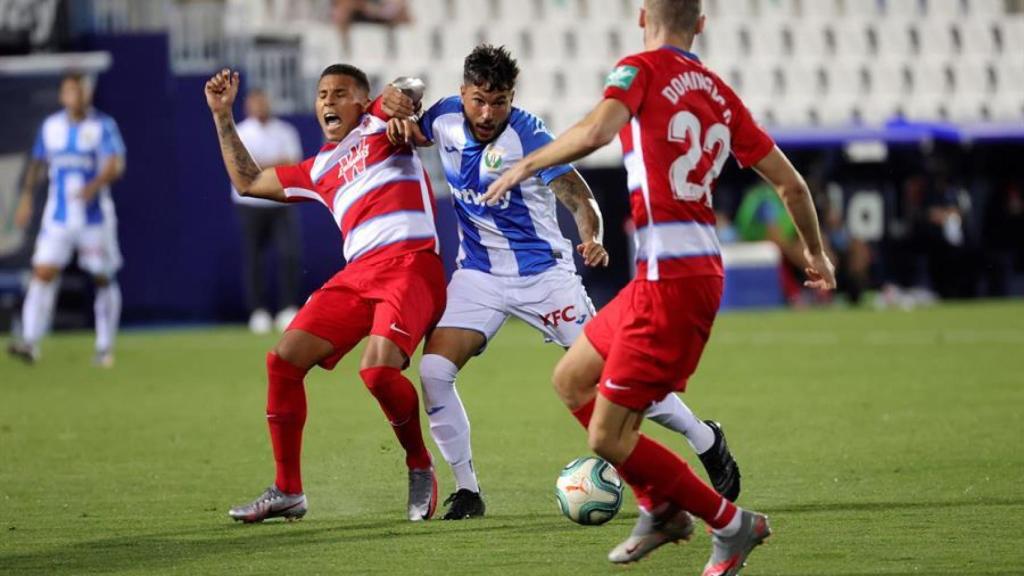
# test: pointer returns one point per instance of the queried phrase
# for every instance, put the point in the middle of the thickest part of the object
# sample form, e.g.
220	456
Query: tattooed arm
572	191
246	175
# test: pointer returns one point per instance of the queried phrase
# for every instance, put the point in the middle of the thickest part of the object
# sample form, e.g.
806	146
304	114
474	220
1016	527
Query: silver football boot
103	359
422	494
27	353
729	554
271	504
652	532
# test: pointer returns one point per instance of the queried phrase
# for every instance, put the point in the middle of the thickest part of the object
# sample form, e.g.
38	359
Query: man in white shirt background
266	224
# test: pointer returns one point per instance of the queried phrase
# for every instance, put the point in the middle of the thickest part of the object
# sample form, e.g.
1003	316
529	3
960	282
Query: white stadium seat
512	38
426	12
320	43
972	77
583	83
931	86
767	40
1009	77
988	8
936	40
977	37
571	12
456	40
442	81
477	11
864	9
902	9
892	39
552	42
368	44
1011	34
413	46
795	62
607	11
724	42
851	39
819	10
810	43
600	43
539	83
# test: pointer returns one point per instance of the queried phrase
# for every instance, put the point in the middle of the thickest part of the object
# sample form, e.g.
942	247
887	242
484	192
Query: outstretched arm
595	131
776	169
246	175
572	191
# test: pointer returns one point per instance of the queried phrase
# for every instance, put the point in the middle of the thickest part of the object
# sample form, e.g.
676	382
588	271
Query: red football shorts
401	299
651	336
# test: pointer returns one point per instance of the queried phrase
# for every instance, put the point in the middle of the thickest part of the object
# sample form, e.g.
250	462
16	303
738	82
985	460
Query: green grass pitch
879	443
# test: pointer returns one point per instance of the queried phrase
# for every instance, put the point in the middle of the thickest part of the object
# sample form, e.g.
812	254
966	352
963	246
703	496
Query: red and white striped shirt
378	193
686	121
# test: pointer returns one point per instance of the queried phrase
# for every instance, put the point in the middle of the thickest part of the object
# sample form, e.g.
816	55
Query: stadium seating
796	62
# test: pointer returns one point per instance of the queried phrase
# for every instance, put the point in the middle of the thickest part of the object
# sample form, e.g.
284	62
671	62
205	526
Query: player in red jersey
392	288
678	123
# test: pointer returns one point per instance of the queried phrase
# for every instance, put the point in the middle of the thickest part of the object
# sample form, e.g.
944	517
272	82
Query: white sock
108	315
449	424
733	526
37	311
674	414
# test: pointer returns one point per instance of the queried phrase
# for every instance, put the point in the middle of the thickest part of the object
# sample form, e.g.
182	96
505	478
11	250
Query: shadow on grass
163	550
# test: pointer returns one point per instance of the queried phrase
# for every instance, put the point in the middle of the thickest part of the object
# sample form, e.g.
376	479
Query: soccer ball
589	491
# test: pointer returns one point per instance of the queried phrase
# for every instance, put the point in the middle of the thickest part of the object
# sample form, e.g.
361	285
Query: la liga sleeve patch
622	77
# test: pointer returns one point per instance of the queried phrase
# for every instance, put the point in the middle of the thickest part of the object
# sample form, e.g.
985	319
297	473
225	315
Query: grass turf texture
879	443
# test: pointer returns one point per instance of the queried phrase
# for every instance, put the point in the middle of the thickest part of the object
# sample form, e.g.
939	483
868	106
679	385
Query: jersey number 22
685	127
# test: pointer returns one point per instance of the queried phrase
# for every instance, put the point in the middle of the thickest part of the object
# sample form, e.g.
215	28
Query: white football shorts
98	251
554	302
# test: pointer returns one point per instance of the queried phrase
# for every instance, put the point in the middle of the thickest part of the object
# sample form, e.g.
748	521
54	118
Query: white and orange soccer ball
589	491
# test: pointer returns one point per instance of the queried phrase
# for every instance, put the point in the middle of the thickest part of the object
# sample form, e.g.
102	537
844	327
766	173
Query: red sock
286	415
584	413
658	471
401	405
644	498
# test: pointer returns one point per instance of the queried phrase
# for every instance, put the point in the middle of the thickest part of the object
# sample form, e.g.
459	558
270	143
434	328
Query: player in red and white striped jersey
391	290
678	123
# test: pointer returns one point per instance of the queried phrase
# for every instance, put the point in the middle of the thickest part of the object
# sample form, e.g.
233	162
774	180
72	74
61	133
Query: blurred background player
391	291
513	260
678	123
265	224
83	150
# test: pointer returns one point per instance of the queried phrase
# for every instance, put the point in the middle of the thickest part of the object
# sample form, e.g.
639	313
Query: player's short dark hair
679	16
491	68
348	70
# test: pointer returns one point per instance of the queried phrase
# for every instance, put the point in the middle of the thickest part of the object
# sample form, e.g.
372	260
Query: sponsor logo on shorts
394	326
567	314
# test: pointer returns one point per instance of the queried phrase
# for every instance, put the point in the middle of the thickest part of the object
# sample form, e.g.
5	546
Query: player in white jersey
513	260
85	154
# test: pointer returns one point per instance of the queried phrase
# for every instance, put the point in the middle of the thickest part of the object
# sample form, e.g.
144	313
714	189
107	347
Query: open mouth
332	120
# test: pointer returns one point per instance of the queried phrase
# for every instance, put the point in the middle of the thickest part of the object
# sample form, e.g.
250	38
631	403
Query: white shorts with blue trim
554	302
97	247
